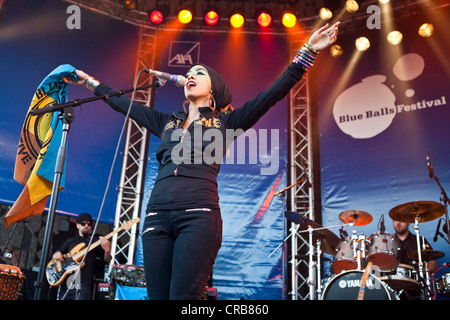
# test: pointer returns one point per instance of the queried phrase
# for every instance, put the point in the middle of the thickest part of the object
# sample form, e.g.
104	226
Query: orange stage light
237	20
289	20
264	19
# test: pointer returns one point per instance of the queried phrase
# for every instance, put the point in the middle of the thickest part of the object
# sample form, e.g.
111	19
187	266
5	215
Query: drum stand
315	277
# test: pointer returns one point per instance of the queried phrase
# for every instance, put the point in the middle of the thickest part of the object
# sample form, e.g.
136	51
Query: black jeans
180	248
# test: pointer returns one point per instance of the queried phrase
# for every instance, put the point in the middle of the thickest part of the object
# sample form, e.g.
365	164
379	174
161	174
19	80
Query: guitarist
84	230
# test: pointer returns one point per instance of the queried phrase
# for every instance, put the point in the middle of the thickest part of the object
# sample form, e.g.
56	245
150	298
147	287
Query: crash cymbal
328	240
424	210
358	217
427	255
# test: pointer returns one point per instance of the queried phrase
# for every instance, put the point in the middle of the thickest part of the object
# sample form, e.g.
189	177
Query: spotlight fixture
362	44
211	16
325	13
159	14
351	6
426	30
129	4
336	50
289	19
394	37
237	18
185	16
264	17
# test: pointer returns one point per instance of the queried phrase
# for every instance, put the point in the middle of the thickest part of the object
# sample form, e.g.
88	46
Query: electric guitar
364	278
58	270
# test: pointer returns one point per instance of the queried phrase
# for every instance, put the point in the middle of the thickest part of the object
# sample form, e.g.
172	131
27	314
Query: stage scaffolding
134	162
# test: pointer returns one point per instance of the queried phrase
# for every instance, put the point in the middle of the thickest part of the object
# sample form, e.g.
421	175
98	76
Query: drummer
408	243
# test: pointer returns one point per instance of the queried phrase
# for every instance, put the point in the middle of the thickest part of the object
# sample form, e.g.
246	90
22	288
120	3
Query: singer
182	231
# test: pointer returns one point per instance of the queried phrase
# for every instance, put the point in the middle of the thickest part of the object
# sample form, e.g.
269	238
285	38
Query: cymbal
427	255
424	210
358	217
328	240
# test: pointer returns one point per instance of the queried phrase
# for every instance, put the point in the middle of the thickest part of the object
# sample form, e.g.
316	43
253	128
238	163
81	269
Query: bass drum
346	285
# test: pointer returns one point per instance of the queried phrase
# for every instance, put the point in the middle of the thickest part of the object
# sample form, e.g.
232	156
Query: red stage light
156	17
211	18
264	19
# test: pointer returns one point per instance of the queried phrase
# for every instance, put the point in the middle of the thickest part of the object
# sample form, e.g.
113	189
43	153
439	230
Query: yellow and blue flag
38	148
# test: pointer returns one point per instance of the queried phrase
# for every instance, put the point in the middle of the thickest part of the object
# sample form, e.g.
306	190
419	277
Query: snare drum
443	285
11	281
346	286
403	278
383	251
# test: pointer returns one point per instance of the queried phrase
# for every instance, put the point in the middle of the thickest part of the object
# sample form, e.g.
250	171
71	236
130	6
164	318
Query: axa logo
184	53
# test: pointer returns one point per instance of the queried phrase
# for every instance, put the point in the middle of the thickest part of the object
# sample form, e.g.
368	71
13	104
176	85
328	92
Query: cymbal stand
312	278
419	255
319	270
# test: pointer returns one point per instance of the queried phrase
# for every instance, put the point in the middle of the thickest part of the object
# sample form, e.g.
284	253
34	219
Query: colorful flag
38	148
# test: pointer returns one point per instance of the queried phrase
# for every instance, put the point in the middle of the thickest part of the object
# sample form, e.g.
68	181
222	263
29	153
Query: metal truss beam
134	158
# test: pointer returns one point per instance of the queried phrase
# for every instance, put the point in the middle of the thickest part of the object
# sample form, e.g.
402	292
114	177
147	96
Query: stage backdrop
34	40
381	112
252	216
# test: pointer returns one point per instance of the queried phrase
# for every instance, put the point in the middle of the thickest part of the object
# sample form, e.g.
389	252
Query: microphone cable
127	116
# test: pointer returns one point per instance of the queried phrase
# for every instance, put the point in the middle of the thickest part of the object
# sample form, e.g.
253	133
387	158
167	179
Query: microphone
430	168
382	227
178	80
437	231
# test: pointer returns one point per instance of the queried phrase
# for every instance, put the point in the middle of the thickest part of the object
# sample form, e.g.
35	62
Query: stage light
289	20
426	30
362	44
384	1
336	50
325	13
351	6
159	14
237	18
394	37
185	16
129	4
211	16
264	18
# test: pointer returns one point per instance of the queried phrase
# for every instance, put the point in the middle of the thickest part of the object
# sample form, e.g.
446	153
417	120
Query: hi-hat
357	217
427	255
422	210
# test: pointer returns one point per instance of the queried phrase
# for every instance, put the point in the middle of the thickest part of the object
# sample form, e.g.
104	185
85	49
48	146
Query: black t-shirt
409	245
180	192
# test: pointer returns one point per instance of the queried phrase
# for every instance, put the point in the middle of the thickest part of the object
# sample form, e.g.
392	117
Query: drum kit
367	267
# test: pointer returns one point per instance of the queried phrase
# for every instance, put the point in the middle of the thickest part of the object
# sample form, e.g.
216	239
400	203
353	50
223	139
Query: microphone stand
67	115
445	199
283	253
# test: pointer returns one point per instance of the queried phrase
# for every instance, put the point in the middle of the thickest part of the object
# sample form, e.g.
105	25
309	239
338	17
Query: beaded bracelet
305	58
310	49
91	83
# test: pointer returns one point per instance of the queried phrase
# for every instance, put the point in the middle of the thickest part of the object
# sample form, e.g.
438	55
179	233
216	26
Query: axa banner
254	168
382	114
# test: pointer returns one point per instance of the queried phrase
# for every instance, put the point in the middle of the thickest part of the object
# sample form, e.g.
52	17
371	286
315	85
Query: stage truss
134	162
300	195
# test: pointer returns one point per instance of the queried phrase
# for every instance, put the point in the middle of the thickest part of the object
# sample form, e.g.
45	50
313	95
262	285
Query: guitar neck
95	244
